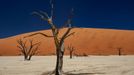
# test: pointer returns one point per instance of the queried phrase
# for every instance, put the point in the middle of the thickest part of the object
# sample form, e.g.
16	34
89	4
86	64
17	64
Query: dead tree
71	50
119	51
28	50
59	41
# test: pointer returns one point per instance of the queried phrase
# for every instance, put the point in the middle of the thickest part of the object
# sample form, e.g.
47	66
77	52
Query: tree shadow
74	72
83	73
86	73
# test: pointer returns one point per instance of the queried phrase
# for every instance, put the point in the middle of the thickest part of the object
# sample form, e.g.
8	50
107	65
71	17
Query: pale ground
91	65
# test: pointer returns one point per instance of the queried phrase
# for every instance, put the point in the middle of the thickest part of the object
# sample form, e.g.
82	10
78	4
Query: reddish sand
86	41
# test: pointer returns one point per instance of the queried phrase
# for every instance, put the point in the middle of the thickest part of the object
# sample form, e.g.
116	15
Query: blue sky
16	18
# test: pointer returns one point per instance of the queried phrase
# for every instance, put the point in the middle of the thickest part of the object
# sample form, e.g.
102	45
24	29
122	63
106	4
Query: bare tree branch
19	47
69	21
37	34
44	14
52	8
64	35
22	45
34	50
32	46
70	34
40	15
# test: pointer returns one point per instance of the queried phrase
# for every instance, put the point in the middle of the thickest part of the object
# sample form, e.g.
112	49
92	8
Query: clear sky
16	18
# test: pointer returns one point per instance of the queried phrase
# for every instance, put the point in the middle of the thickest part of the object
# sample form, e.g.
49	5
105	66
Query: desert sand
86	41
91	65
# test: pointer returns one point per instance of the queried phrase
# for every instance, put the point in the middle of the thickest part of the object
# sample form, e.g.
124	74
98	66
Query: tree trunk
119	52
59	63
30	56
25	57
71	54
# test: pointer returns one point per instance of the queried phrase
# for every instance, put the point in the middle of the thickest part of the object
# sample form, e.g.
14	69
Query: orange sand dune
86	41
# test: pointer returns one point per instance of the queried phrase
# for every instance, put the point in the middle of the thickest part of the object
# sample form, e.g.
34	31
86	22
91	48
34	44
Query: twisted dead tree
28	50
59	41
71	50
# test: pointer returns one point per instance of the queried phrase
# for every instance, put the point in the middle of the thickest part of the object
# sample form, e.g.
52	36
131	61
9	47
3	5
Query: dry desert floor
91	65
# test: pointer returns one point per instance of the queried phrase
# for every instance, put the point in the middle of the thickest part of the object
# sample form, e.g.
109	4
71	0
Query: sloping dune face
86	41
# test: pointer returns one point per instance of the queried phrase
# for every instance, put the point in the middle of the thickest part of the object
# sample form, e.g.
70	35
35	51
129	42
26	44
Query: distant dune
86	41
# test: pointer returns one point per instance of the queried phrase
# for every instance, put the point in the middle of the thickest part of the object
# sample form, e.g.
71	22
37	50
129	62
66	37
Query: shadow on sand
83	73
74	72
